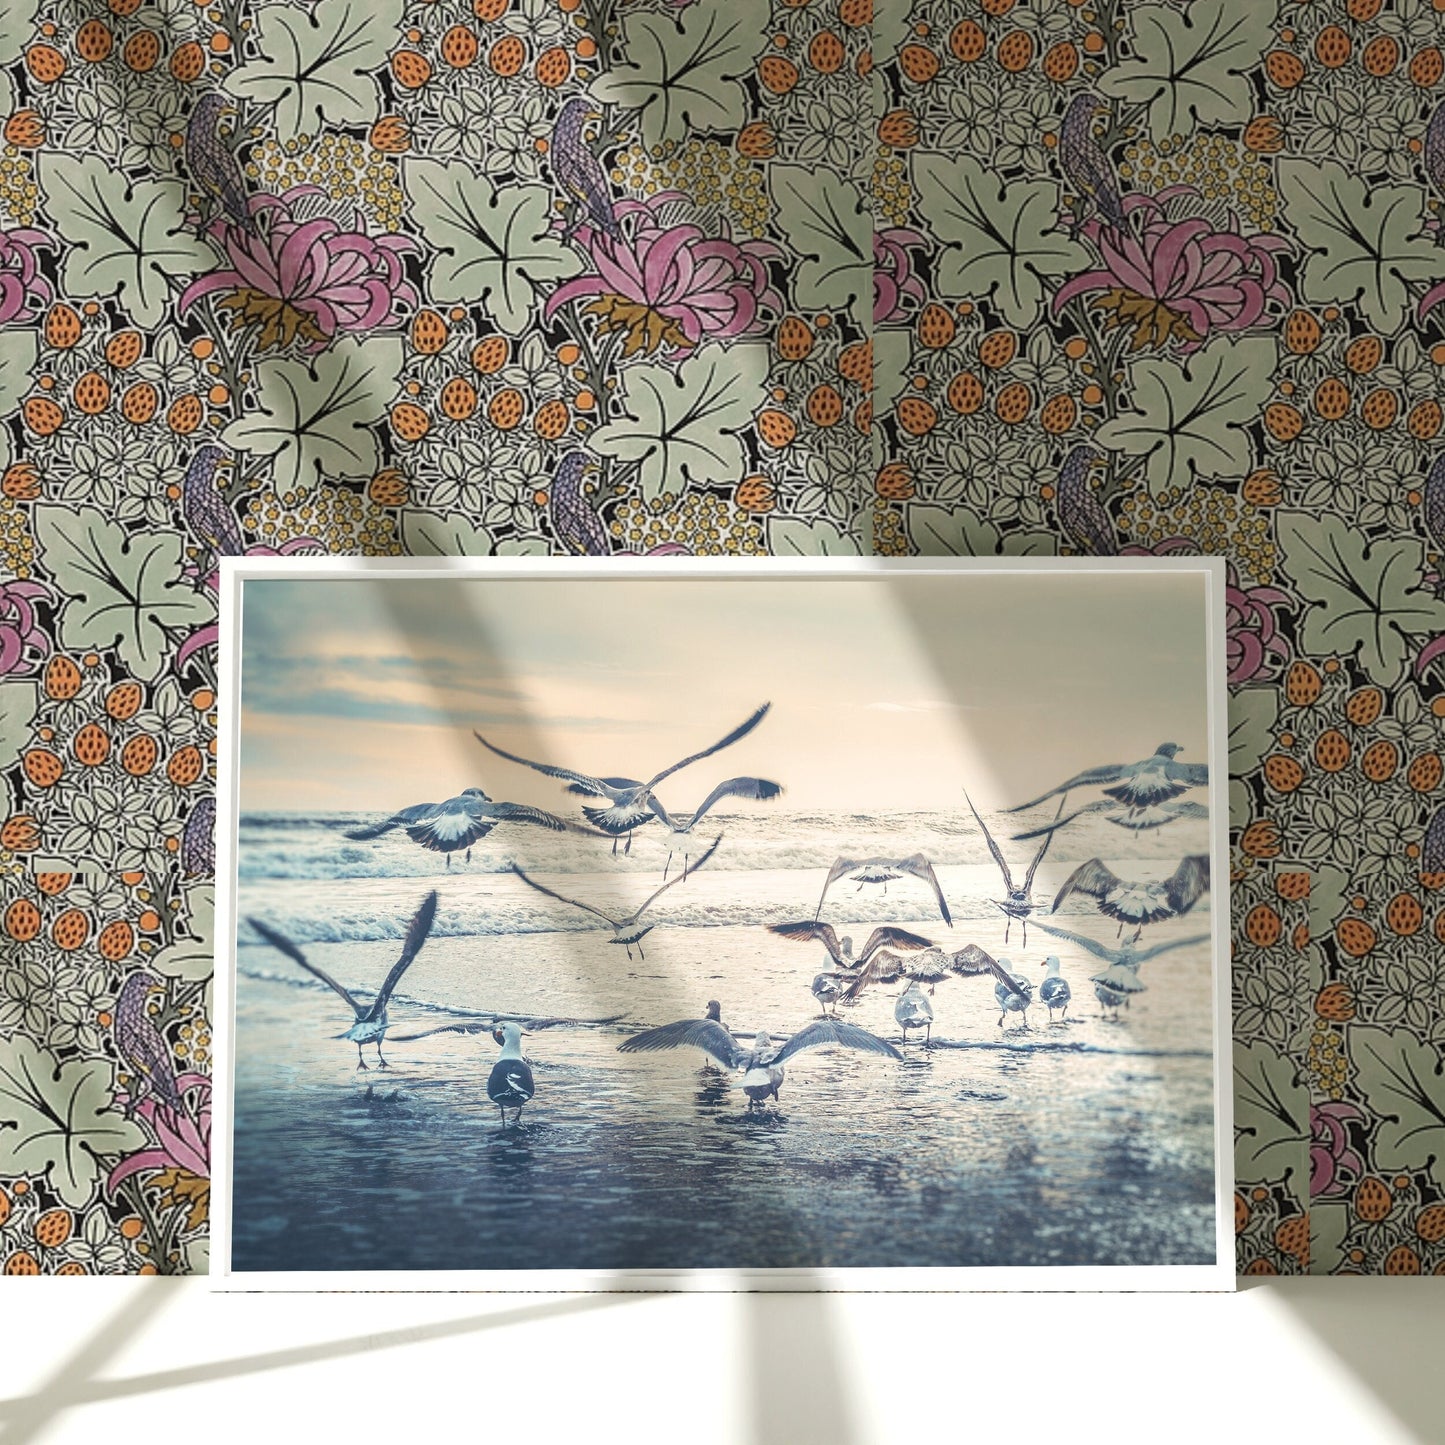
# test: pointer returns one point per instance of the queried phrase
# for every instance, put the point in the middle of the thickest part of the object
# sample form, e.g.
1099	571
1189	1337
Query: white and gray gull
828	986
1139	901
1018	900
864	871
1054	991
755	789
457	823
1120	978
627	802
629	930
371	1018
510	1084
761	1065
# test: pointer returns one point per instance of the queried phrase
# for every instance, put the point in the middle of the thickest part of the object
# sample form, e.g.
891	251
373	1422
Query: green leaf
59	1119
425	534
492	246
1191	67
315	418
1271	1116
681	425
121	591
830	229
962	532
193	958
18	353
1365	239
1001	240
1253	713
18	704
17	17
1329	887
794	537
126	239
1366	596
892	351
315	66
1329	1227
681	74
1403	1081
1189	420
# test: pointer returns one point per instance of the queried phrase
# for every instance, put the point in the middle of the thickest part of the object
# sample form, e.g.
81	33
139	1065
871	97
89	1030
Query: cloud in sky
893	692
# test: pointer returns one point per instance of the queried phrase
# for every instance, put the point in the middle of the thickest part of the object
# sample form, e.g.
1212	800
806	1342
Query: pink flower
894	283
671	285
1334	1161
1256	651
23	643
20	278
182	1141
1178	278
306	279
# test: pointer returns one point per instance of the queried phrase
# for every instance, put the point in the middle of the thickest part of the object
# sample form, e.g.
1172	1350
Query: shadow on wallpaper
526	277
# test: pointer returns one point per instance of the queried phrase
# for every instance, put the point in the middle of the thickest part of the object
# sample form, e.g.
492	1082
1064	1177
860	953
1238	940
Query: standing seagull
371	1020
1014	993
827	987
913	1011
1135	901
1085	165
1054	992
755	789
142	1045
629	930
1019	902
863	871
212	163
629	802
762	1065
457	823
509	1085
573	518
578	169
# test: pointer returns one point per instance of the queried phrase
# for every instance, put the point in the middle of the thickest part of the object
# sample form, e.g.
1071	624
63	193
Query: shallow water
1080	1142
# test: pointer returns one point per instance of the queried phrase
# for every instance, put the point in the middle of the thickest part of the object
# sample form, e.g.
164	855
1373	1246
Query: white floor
1312	1362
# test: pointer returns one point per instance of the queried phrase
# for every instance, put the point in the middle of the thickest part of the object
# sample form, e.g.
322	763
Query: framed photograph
679	924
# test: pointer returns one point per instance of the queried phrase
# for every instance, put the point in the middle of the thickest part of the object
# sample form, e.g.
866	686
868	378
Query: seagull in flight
931	967
863	871
1120	977
1121	814
762	1065
628	931
371	1020
1136	901
756	789
628	802
457	823
827	987
1018	902
1155	779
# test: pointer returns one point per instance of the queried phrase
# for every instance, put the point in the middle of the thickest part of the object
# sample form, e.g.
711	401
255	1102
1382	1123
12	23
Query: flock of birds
1142	795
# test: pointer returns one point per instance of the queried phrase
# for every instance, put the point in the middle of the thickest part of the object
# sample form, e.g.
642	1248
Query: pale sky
887	693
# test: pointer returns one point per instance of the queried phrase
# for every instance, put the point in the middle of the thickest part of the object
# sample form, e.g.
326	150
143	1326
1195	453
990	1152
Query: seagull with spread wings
1139	901
1155	815
756	789
1018	901
864	871
762	1065
458	823
371	1019
827	987
630	930
628	801
1155	779
1013	992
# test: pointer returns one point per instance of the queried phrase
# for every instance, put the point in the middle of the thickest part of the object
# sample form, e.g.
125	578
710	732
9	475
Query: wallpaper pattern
724	276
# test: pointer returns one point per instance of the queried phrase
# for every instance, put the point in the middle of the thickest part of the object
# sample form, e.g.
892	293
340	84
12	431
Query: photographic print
620	926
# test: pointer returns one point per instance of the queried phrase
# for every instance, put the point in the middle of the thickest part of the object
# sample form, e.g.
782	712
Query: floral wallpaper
722	276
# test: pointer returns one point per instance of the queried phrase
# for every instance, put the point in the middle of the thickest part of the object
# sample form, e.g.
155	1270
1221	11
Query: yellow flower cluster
1220	168
17	546
711	174
342	520
1326	1060
19	195
889	538
892	192
701	521
343	167
195	1041
1216	520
